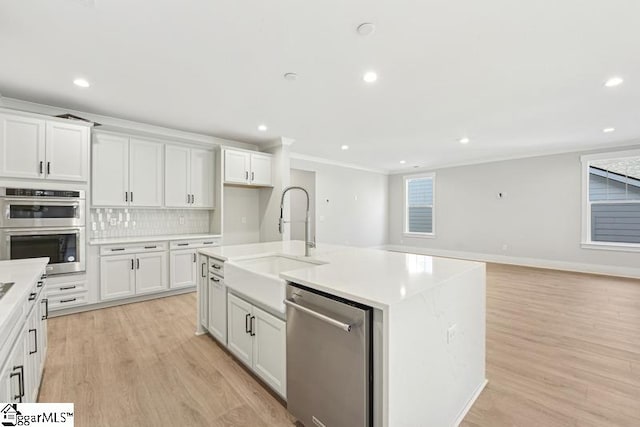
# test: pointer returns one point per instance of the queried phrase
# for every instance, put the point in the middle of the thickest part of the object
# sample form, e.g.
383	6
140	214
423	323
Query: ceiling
517	78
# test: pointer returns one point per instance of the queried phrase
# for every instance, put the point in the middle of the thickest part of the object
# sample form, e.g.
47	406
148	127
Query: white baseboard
107	304
470	403
608	270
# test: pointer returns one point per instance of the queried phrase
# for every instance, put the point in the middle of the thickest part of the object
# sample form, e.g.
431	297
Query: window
611	194
419	198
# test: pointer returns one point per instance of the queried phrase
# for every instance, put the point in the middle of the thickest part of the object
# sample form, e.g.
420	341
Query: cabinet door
182	267
43	341
260	170
32	357
218	308
240	341
151	272
236	166
110	170
117	276
202	178
270	350
67	152
203	292
146	173
176	176
12	375
22	147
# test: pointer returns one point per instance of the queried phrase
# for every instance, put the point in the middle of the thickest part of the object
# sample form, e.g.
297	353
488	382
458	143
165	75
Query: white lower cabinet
151	272
258	339
22	367
183	267
127	275
217	308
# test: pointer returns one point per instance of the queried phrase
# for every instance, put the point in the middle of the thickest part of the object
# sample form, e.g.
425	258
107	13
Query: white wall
298	208
241	215
539	219
351	204
270	197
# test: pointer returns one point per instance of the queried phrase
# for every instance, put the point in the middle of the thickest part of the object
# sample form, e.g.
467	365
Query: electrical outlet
181	220
451	333
505	247
244	219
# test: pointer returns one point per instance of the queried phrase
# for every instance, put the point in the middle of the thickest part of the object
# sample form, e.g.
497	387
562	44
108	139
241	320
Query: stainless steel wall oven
43	223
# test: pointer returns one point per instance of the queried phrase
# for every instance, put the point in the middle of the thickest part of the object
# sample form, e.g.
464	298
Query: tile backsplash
124	222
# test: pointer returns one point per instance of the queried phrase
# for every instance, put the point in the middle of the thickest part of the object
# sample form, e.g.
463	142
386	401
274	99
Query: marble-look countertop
374	277
160	238
24	272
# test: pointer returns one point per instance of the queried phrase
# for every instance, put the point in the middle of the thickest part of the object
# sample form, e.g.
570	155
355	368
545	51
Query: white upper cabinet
22	147
189	177
145	173
34	148
236	166
260	170
176	176
202	178
127	171
67	152
244	167
110	170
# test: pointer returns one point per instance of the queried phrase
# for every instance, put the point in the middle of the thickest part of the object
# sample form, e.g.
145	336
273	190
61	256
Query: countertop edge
159	238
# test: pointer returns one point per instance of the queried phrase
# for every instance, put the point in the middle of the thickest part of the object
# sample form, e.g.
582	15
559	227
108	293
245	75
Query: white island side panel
430	381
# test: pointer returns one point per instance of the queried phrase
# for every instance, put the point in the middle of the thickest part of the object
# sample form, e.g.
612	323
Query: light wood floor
563	349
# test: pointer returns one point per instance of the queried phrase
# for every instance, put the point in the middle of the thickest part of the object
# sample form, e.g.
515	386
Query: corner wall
351	204
539	219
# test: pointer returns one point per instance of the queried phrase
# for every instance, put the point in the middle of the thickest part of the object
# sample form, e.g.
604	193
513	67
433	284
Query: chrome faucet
308	244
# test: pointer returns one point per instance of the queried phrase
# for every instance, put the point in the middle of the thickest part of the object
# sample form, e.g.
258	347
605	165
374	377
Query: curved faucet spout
307	242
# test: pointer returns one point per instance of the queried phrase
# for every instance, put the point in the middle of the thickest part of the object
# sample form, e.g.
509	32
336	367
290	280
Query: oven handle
42	231
42	202
344	326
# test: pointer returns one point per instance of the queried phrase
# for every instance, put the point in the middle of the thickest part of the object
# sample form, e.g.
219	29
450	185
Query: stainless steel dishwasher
329	359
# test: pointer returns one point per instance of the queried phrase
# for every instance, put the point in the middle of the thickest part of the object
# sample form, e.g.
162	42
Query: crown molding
322	160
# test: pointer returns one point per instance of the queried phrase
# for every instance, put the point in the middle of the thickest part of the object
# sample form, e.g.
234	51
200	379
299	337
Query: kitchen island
428	320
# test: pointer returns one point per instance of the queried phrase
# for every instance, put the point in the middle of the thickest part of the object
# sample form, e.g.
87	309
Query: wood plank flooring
563	349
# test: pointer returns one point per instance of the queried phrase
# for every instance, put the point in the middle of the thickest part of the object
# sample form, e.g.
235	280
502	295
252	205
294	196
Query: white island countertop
24	273
374	277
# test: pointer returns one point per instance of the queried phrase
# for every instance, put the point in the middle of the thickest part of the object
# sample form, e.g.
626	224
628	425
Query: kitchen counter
160	238
24	273
428	322
373	277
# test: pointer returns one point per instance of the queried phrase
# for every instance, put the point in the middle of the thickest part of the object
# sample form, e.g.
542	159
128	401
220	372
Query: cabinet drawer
216	266
72	299
130	249
65	288
188	244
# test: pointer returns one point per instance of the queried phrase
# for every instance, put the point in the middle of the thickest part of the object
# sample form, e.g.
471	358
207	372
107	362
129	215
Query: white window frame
405	222
587	243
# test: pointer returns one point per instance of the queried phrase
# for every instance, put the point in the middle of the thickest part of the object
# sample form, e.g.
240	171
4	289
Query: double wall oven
43	223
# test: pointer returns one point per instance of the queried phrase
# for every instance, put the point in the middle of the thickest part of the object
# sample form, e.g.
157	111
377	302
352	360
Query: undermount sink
258	277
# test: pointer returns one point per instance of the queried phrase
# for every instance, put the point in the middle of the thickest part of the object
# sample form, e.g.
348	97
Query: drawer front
133	248
65	288
189	244
72	299
216	266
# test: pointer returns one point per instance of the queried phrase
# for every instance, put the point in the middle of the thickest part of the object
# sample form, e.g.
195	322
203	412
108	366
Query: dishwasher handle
338	324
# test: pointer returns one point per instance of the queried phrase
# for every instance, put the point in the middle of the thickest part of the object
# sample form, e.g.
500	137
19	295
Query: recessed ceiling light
81	83
262	128
608	130
402	162
344	147
366	29
464	140
291	77
370	77
614	81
